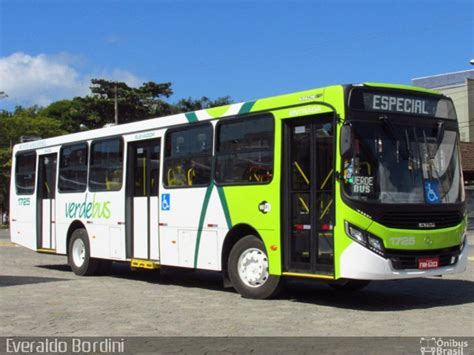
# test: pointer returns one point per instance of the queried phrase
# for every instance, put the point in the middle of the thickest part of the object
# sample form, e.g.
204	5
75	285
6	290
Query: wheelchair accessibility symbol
432	192
165	202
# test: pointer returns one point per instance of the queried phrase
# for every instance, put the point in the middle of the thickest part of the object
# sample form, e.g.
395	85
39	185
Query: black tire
350	285
268	286
89	265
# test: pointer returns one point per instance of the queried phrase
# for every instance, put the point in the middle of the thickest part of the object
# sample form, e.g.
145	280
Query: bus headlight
356	234
375	244
365	238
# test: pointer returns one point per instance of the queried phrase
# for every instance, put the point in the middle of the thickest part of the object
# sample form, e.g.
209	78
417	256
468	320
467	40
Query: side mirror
345	139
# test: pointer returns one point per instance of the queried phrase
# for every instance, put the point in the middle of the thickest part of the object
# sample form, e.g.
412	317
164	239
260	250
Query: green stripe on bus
207	197
219	111
225	207
246	107
191	116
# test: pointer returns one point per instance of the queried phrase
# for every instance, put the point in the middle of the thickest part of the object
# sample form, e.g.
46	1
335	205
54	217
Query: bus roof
263	104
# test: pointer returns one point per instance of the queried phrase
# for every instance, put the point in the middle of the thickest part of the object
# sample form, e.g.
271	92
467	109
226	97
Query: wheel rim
78	252
253	267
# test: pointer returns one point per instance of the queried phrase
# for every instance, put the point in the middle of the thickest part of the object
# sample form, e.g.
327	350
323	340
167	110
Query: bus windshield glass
391	163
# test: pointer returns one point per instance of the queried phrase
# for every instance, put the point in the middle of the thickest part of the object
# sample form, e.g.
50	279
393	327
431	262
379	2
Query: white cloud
42	79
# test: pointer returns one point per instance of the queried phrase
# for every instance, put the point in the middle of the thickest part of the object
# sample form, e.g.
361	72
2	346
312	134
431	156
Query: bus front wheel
248	269
79	258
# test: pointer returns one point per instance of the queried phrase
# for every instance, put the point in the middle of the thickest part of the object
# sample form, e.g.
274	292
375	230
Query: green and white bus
346	183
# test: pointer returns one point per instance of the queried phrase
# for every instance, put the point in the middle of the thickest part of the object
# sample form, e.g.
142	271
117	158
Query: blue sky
246	49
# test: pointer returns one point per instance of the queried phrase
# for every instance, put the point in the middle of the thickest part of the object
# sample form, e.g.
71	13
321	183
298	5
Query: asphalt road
41	296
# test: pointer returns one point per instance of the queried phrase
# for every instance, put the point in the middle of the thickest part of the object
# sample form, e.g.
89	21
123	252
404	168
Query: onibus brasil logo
440	346
88	209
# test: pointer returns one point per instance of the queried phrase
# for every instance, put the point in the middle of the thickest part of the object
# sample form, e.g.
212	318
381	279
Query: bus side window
188	156
244	151
106	165
73	168
25	172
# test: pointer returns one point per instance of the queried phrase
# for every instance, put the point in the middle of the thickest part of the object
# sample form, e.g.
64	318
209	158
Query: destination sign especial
402	104
407	103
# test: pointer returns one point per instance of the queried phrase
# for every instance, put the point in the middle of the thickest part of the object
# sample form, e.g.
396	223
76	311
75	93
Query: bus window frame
184	127
124	172
24	152
241	118
88	145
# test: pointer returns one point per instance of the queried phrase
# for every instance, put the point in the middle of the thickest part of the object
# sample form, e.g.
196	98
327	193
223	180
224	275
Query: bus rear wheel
79	258
248	269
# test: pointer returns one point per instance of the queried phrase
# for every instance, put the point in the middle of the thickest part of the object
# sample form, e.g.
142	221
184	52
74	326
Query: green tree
70	113
134	104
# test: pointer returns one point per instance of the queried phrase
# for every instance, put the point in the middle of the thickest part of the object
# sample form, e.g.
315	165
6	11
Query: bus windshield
386	162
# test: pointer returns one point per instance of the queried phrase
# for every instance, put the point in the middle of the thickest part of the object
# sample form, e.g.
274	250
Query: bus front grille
421	220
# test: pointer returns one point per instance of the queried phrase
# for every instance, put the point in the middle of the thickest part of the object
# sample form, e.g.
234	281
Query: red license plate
428	263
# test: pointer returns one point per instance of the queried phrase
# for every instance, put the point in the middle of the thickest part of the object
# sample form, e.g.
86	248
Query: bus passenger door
143	180
308	197
46	210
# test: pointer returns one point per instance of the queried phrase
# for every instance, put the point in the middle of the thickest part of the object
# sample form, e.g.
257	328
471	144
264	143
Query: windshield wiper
410	156
439	138
388	127
439	133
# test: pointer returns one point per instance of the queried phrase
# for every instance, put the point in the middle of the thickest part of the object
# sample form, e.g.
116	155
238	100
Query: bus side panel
190	248
101	213
169	252
107	213
186	239
217	224
61	235
244	204
63	210
208	256
182	211
23	224
22	215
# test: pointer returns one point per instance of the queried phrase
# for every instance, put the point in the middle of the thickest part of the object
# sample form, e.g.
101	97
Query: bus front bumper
358	262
